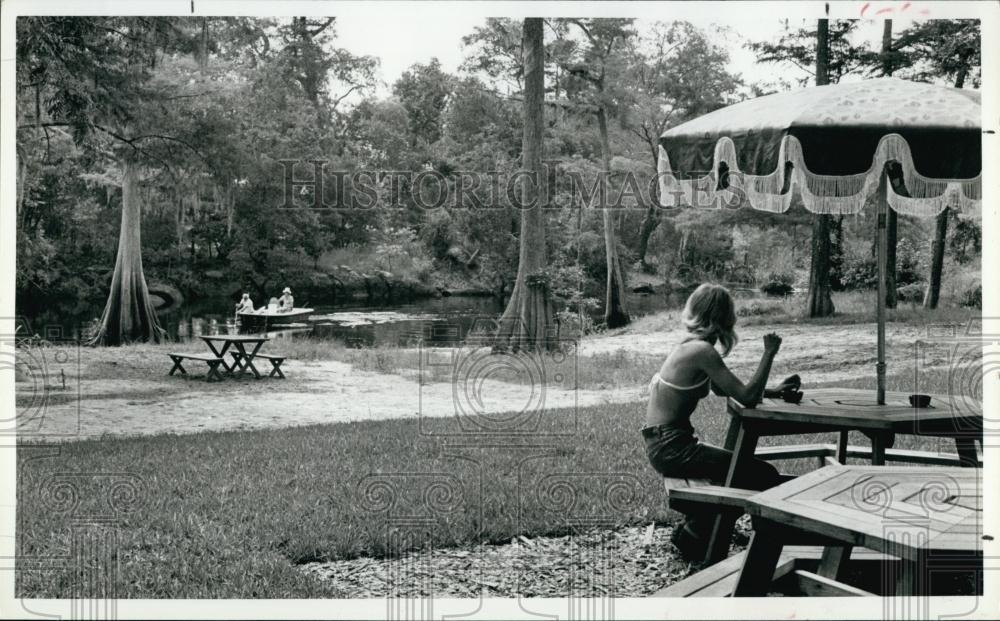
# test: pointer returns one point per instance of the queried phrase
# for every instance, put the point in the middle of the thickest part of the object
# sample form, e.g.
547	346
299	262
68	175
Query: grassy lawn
231	514
850	307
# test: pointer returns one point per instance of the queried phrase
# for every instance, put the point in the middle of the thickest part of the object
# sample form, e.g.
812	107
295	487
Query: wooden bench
795	573
273	359
212	361
686	499
827	454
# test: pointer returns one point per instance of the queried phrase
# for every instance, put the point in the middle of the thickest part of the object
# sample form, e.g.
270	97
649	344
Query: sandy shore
119	403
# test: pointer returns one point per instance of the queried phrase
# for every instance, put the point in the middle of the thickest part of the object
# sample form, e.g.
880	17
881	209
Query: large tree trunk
820	302
933	293
615	315
129	314
652	218
527	323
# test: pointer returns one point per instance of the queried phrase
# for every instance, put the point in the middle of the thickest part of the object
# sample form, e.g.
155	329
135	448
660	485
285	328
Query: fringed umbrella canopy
913	147
829	145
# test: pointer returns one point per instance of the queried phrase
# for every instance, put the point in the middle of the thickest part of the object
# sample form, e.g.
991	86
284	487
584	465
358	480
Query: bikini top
656	378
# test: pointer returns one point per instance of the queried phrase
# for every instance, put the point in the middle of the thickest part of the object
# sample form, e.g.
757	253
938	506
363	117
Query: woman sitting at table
686	376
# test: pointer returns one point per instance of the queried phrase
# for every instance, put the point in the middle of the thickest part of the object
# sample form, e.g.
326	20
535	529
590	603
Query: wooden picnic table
928	517
842	410
239	342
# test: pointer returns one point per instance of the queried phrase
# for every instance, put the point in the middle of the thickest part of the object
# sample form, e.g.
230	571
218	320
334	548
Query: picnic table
930	518
243	361
842	410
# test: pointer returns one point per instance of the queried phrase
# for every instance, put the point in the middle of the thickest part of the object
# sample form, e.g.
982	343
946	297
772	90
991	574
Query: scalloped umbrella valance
829	145
910	146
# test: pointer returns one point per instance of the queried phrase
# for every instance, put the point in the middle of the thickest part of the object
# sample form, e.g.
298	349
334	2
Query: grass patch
149	363
230	514
851	307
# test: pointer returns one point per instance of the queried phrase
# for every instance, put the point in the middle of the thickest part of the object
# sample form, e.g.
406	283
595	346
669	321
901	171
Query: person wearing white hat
286	302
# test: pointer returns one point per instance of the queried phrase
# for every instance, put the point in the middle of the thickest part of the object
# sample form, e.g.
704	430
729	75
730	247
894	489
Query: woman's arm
725	383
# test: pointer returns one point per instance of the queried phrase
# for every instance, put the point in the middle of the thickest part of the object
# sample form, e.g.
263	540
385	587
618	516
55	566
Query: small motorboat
265	317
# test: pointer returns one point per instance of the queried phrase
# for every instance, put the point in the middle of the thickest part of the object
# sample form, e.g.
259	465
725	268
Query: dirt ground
79	403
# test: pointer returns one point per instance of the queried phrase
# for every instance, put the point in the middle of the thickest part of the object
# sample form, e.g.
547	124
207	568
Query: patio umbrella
887	143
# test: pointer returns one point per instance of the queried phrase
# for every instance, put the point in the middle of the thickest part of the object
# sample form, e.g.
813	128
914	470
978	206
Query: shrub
913	292
972	297
778	284
573	325
860	273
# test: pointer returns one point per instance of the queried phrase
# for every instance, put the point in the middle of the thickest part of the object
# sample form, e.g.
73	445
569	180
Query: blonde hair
710	314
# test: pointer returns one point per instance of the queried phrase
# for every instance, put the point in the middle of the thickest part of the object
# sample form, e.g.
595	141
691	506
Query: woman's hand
772	343
789	384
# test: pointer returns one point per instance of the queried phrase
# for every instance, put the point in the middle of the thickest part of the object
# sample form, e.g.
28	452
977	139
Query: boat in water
264	318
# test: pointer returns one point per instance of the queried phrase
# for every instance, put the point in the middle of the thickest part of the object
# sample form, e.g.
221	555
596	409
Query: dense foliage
209	107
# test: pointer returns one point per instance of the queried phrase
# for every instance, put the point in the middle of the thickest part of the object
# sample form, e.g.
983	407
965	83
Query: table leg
722	530
833	563
733	431
220	354
248	357
878	449
967	452
746	446
760	562
842	447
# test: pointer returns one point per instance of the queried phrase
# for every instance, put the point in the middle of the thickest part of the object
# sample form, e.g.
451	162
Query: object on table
920	401
792	396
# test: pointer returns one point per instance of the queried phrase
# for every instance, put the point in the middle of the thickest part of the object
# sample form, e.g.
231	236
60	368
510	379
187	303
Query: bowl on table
920	401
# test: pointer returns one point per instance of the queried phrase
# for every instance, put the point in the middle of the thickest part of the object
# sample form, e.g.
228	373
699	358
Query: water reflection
443	321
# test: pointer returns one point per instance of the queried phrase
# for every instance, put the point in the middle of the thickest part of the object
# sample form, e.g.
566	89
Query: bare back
678	386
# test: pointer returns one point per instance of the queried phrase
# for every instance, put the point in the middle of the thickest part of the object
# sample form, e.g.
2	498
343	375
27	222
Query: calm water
436	321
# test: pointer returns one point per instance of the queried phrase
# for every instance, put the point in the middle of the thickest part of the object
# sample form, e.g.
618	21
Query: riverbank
93	392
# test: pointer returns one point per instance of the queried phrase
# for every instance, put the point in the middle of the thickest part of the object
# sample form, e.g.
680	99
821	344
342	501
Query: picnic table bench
842	410
275	361
796	571
928	518
213	364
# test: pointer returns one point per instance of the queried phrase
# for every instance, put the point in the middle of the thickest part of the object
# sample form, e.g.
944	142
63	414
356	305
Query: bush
757	309
972	297
913	292
573	325
778	284
860	273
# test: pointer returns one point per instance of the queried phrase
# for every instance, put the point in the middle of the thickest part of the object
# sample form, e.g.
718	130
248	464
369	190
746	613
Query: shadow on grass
228	515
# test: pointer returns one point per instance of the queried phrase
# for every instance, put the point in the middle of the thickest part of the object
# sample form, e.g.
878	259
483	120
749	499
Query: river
440	321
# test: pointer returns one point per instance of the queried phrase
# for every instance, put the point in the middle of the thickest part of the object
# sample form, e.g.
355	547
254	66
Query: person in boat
286	302
245	305
692	369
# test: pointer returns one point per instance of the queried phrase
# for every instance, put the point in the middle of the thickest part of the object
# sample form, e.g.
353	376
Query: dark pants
675	452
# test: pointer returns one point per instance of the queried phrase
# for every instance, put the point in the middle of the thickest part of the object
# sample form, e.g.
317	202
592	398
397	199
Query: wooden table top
900	511
857	409
243	338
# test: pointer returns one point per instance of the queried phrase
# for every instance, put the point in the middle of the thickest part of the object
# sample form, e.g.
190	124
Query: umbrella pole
883	242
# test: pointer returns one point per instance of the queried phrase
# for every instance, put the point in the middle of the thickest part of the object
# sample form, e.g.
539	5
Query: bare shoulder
702	351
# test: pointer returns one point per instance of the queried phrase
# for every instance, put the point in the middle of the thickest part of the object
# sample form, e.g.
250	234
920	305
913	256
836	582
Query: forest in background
149	149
